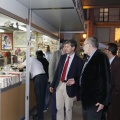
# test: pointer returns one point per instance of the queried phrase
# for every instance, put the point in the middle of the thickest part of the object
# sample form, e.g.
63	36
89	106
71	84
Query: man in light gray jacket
52	67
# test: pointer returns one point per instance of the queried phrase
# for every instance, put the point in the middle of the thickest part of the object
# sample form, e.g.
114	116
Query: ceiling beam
97	6
52	8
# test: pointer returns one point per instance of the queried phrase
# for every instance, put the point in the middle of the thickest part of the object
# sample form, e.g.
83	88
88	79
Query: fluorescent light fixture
22	28
1	30
14	25
71	31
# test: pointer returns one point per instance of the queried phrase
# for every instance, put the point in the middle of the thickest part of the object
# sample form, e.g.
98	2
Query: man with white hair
94	81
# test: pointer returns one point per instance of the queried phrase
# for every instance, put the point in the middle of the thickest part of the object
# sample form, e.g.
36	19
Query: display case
12	95
12	101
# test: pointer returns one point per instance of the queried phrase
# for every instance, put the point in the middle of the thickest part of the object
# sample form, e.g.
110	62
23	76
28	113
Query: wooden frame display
7	41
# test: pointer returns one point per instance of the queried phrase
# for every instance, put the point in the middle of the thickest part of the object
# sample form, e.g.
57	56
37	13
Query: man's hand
70	82
51	89
100	106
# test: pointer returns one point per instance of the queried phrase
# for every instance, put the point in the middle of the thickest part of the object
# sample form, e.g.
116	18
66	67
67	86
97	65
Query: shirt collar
111	59
92	54
71	56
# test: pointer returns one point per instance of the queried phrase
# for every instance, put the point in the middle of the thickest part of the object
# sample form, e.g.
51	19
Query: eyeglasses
85	44
106	49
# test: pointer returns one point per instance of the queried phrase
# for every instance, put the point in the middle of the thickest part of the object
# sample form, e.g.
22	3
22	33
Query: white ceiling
59	13
47	3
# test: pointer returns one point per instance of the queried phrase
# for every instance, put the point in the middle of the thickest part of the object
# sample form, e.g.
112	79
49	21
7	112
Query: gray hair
93	41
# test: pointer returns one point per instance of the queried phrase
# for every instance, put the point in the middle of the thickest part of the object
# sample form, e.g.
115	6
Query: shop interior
13	50
13	41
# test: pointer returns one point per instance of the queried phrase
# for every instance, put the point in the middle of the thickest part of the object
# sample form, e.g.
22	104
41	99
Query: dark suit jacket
95	82
113	112
115	75
74	72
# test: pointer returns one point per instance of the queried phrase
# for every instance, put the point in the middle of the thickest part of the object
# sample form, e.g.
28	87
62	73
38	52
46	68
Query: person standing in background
66	80
94	81
113	112
55	57
40	83
48	53
52	67
41	57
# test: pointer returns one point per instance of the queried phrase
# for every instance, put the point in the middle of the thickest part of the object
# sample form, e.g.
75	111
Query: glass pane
117	34
105	19
101	19
105	9
101	14
105	14
101	9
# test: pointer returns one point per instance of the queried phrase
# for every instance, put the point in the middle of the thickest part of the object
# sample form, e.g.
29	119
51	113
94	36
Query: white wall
18	9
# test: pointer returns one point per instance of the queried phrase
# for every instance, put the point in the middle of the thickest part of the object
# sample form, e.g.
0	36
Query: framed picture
7	41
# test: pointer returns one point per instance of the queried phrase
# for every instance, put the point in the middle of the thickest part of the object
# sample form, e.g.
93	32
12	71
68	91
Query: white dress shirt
48	55
36	67
70	61
111	59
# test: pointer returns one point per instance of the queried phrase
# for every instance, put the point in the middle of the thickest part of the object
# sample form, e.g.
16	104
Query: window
104	14
117	34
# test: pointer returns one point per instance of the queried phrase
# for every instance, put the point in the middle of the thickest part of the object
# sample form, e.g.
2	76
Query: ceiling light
84	36
14	25
1	30
22	28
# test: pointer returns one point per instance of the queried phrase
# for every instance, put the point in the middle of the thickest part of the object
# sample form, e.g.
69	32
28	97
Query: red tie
65	69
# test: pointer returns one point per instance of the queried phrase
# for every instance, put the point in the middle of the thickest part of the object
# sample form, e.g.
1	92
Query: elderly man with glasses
94	81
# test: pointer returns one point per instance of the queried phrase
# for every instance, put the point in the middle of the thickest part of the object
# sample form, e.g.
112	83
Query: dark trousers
54	109
40	84
92	114
104	114
47	97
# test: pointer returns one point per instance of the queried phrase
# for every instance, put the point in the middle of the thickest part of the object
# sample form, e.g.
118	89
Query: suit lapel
91	60
62	62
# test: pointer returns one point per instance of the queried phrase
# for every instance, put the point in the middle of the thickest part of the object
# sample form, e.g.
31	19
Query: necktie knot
68	57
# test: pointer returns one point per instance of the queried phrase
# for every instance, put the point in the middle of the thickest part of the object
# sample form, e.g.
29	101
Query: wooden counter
13	102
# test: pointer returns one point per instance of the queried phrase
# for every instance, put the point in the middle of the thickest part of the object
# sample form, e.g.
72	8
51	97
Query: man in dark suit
114	107
66	85
94	81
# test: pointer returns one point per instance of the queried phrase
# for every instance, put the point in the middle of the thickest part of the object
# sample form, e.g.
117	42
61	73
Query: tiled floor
77	113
